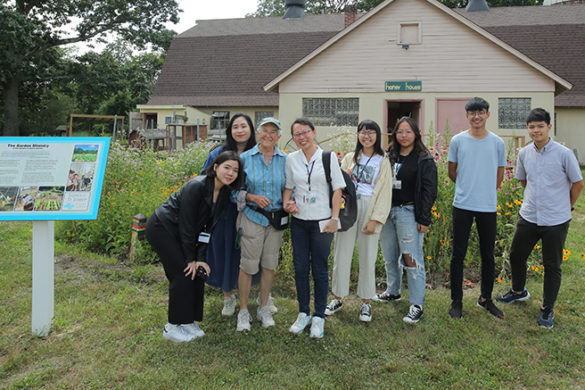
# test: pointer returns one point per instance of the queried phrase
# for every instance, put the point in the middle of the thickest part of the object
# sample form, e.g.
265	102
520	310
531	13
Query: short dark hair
230	142
538	115
302	121
477	104
223	157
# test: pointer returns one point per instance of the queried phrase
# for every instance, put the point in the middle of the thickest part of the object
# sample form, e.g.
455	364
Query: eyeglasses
367	133
301	134
405	132
476	113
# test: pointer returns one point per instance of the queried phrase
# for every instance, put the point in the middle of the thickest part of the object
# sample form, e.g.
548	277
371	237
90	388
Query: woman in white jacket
372	176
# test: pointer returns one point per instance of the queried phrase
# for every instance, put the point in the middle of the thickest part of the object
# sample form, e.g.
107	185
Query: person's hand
260	200
291	207
370	227
348	171
422	228
191	269
331	226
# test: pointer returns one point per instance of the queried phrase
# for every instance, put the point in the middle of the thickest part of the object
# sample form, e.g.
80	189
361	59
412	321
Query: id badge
397	184
284	220
309	199
203	238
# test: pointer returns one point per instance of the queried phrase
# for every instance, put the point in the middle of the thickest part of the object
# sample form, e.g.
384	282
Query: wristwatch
335	219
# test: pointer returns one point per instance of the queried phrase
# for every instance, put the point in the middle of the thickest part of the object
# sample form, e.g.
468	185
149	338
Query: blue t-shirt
477	170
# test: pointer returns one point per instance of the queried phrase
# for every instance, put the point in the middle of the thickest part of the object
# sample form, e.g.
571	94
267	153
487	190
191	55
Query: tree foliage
31	30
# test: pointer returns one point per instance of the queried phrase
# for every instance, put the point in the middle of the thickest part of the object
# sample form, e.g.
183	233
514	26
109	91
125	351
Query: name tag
309	199
284	220
204	238
397	184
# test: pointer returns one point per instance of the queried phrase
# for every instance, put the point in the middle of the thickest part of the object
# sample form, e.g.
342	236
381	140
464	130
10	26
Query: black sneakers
489	305
387	297
415	312
546	318
511	296
456	310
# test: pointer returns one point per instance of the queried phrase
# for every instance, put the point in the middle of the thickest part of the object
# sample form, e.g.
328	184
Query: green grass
108	321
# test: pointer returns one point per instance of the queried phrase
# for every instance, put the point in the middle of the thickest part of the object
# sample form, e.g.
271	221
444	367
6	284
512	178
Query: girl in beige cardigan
372	176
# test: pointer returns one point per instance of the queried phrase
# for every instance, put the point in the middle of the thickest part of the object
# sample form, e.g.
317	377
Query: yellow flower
566	252
429	257
507	213
565	258
536	246
499	208
509	204
498	214
434	208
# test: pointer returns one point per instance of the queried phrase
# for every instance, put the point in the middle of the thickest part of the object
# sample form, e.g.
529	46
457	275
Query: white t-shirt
310	188
365	174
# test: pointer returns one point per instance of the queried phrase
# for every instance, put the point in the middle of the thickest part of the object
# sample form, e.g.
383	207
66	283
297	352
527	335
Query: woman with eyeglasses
371	174
414	192
314	221
223	255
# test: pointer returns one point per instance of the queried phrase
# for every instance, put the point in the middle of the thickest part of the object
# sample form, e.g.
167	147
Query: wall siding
450	58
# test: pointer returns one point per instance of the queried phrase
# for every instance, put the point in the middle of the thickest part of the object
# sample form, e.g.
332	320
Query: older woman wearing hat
261	221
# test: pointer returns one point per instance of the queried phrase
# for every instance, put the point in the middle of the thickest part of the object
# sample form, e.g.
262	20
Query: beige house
405	57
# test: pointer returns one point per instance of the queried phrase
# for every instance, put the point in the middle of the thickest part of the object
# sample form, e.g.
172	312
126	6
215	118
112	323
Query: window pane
331	112
512	112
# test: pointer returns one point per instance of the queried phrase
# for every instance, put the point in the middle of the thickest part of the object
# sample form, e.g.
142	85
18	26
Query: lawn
109	317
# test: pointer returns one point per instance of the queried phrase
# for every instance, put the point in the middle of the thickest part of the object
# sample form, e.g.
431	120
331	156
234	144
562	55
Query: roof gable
560	82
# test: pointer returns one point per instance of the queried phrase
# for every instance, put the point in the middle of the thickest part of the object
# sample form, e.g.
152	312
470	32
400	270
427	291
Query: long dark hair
223	157
368	125
394	147
230	142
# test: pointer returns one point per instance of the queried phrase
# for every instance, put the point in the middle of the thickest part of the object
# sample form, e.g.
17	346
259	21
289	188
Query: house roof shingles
553	36
227	62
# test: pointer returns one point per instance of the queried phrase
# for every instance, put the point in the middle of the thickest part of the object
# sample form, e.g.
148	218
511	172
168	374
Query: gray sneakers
264	315
244	320
229	305
177	333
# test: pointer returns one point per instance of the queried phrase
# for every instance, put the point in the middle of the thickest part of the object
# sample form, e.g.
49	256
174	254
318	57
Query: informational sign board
48	179
43	179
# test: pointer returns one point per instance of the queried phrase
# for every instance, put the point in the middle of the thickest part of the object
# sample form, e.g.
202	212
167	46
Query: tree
30	30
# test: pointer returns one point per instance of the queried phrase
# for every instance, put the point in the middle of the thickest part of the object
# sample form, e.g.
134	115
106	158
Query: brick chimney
350	13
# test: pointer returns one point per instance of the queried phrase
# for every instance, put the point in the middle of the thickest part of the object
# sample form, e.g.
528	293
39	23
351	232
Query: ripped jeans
400	236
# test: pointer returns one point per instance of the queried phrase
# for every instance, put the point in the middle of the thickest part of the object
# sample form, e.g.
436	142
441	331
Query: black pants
553	240
486	230
185	295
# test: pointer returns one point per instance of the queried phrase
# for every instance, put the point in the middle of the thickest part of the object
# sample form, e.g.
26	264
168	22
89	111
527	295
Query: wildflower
499	208
537	246
507	213
566	252
565	258
429	257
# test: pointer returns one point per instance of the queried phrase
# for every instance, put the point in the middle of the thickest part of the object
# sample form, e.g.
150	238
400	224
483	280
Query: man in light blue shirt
477	159
550	174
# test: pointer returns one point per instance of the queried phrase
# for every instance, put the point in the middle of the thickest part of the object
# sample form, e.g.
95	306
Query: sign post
44	179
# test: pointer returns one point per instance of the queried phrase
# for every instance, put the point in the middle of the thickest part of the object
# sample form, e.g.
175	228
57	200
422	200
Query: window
259	115
512	112
219	120
168	119
332	112
409	33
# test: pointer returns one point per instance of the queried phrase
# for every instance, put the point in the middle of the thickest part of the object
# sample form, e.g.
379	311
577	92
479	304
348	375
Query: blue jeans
310	249
401	236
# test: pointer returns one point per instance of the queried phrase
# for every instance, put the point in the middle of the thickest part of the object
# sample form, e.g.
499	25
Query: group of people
225	227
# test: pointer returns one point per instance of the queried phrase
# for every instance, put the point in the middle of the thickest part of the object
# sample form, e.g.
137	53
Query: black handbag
277	219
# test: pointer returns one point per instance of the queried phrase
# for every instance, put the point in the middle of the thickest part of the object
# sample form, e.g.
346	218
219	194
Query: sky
211	9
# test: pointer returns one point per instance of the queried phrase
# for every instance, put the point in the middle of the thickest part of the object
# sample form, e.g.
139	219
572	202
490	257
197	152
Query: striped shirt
263	178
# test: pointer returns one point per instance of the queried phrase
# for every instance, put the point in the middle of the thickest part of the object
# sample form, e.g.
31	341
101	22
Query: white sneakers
182	333
229	305
317	328
264	315
269	304
301	323
244	320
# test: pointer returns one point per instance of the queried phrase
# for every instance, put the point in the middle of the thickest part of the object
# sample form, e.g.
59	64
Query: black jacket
188	212
425	191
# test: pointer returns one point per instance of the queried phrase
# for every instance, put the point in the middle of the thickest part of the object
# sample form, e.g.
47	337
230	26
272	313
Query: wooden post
138	231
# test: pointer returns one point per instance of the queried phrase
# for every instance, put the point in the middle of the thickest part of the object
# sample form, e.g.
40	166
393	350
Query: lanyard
309	173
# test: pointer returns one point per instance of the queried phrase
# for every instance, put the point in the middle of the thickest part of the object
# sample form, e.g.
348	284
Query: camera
201	274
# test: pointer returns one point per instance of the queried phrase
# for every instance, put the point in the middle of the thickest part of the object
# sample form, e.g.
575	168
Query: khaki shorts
260	245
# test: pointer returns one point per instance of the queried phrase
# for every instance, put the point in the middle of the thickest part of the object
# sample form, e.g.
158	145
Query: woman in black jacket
413	194
179	232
